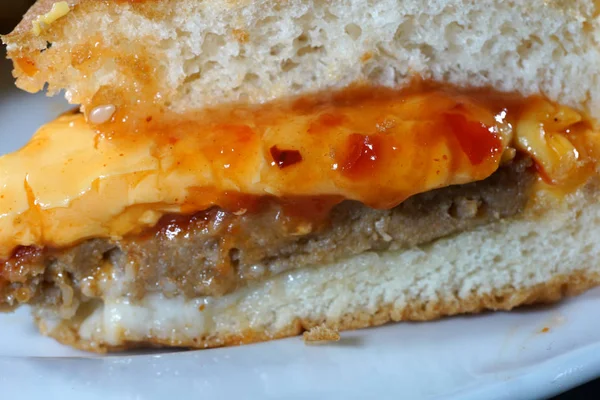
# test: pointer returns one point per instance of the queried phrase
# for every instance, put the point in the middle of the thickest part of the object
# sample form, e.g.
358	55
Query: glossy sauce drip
345	139
362	155
474	138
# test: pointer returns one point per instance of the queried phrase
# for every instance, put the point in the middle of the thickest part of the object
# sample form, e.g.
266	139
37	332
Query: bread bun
184	54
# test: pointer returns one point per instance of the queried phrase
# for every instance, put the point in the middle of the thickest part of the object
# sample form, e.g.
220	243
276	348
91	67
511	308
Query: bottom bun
548	252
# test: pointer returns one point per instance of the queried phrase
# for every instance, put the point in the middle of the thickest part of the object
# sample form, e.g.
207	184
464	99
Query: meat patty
215	252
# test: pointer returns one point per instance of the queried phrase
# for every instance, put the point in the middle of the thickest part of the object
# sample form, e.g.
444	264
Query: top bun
189	54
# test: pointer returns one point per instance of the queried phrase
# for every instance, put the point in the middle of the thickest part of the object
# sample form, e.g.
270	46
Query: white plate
491	356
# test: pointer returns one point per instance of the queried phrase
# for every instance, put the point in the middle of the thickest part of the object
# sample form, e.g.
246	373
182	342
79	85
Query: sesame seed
102	114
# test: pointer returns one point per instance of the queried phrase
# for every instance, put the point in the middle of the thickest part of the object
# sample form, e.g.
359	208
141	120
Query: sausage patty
214	252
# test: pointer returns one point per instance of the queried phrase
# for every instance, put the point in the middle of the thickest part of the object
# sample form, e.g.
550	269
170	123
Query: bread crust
506	299
39	8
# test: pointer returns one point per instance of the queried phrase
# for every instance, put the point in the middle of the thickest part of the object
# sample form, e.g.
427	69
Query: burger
241	171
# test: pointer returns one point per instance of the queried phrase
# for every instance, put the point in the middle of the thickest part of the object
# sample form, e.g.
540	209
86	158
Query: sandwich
244	171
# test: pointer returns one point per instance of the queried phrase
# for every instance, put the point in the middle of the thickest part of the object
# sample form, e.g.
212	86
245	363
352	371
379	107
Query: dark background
10	13
588	391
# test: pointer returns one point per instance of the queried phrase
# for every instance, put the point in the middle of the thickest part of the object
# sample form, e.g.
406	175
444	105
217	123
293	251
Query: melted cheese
70	182
59	10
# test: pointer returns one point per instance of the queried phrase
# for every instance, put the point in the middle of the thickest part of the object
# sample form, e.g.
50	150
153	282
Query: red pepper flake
475	138
285	158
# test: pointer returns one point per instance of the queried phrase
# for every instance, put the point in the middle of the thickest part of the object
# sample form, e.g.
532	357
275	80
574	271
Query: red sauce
362	155
357	144
475	138
364	162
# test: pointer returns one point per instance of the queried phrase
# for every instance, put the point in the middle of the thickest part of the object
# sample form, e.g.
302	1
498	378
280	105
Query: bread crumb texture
186	54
